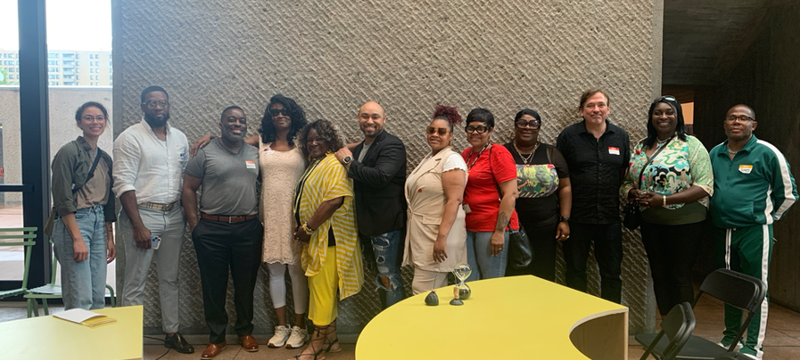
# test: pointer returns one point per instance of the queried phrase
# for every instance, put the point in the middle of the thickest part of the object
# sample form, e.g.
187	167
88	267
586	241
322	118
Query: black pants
544	245
607	251
671	250
221	245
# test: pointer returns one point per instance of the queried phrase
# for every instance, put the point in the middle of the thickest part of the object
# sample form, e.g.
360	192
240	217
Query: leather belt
227	219
157	206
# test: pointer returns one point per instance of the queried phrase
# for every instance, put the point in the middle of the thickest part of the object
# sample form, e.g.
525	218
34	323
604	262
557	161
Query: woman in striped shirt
325	215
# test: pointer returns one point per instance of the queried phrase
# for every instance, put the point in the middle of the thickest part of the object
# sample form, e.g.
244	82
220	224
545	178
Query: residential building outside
66	67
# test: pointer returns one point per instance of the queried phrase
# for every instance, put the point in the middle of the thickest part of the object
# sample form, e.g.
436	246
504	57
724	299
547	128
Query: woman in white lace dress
281	164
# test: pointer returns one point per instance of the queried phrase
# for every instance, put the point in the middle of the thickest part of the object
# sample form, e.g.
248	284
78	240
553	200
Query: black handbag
631	215
520	252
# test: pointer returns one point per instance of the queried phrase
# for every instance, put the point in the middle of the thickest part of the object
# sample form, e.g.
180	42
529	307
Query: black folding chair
736	289
677	326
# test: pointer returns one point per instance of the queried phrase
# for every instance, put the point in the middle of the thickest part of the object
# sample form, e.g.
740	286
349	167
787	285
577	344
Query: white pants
277	286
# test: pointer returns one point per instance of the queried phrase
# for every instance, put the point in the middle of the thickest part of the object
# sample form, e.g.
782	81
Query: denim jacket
71	171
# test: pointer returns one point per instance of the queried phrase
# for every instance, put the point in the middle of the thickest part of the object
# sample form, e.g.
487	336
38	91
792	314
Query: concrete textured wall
767	79
332	56
63	101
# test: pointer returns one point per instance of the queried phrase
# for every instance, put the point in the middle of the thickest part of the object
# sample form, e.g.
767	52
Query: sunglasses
276	112
440	131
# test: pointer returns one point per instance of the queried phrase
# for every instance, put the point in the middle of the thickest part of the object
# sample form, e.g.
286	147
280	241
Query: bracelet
307	229
665	200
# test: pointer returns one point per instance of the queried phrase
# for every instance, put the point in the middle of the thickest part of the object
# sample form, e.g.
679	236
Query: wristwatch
563	218
347	159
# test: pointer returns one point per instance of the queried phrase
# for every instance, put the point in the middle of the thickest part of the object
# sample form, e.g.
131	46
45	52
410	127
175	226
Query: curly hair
449	113
325	131
295	113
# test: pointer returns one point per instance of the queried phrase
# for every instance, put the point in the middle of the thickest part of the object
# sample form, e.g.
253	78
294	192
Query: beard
156	123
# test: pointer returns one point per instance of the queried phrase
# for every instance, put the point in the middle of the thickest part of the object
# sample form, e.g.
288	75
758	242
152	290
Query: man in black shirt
597	153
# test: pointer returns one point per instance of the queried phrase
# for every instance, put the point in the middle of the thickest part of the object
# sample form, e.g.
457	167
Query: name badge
613	150
745	169
250	164
268	151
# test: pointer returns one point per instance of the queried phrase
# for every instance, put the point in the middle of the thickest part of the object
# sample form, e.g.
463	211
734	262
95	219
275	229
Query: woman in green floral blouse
672	191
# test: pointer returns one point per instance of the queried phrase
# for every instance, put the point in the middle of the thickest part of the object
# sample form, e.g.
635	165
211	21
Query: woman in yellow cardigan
325	213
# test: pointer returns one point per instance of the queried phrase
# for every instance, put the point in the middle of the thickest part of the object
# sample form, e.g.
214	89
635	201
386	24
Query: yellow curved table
517	317
47	337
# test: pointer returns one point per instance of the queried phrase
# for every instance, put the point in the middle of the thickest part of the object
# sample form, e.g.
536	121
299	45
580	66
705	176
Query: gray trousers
169	225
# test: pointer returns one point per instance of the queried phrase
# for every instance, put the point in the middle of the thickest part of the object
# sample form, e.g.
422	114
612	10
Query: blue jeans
480	259
83	284
386	255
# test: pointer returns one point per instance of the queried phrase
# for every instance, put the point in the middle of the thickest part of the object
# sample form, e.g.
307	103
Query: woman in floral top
672	192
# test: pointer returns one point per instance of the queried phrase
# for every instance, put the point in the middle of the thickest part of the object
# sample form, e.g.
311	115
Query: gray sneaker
281	335
297	339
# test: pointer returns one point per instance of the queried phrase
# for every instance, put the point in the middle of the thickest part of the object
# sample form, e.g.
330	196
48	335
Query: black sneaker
178	343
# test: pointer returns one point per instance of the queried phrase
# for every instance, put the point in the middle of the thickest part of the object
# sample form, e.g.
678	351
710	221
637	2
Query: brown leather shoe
212	350
248	343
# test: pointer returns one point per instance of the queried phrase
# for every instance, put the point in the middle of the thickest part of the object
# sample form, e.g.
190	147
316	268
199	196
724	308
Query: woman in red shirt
488	198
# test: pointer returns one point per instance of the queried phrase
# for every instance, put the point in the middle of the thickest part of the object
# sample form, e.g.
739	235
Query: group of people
322	202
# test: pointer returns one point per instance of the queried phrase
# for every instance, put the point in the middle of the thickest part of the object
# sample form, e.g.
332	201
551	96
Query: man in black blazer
377	166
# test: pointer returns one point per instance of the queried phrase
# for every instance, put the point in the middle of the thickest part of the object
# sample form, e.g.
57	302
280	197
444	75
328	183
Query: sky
71	25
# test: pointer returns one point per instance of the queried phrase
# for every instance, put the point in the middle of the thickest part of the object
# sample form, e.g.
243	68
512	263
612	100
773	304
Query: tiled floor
782	339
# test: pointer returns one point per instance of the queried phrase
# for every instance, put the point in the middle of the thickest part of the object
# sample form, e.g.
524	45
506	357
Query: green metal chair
24	237
52	291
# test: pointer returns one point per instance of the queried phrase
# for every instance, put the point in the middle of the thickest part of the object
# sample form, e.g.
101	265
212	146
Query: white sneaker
279	339
739	346
297	339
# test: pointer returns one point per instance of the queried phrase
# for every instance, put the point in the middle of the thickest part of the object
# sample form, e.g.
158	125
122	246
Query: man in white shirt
150	158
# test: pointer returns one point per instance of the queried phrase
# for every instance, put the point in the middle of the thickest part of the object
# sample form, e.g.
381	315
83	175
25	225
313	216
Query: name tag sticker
250	164
745	169
613	150
268	151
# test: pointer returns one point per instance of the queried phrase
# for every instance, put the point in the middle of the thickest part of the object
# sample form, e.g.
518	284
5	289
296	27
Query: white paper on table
77	315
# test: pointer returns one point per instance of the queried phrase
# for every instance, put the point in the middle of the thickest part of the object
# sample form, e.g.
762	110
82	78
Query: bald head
370	119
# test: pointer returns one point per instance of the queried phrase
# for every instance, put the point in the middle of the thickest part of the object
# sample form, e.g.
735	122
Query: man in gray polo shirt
227	232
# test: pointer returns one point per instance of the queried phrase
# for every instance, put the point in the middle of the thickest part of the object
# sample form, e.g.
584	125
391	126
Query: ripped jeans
385	253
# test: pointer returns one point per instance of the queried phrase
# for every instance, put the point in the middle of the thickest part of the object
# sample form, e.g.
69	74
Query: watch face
347	159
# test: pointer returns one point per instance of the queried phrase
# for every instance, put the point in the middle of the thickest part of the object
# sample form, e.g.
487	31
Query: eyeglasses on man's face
741	118
151	104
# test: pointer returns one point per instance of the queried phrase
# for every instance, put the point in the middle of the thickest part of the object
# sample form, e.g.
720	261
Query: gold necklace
526	160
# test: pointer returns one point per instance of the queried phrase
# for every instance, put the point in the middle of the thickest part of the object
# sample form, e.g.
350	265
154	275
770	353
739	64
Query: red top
482	193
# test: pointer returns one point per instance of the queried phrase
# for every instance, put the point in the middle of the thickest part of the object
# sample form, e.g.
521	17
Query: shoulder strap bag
51	219
631	215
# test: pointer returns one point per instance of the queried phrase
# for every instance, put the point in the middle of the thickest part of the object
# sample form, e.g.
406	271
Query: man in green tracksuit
753	187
